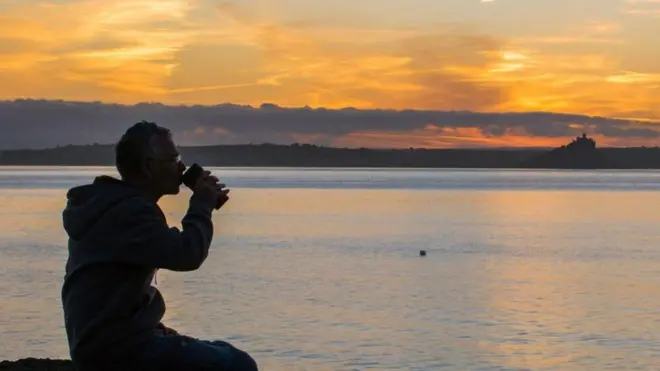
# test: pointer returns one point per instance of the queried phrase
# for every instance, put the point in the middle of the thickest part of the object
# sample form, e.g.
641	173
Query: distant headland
581	153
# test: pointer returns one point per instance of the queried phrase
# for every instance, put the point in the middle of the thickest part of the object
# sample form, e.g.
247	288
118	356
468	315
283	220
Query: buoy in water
422	252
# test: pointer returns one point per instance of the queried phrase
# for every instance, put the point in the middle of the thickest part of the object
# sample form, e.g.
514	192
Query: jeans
176	352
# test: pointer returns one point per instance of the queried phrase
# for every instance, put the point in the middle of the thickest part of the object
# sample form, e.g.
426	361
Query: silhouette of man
118	239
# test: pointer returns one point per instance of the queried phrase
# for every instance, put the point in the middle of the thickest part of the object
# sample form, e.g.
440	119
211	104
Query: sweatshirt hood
87	203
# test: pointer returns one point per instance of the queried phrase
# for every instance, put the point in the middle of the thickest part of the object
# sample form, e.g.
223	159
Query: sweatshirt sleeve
148	240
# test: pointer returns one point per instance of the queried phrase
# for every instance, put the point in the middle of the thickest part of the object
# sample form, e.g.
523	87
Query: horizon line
500	148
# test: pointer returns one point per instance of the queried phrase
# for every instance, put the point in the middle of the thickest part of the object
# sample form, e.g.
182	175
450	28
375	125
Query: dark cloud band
41	123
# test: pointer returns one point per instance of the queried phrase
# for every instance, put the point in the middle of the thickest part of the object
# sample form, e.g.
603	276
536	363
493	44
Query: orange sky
593	57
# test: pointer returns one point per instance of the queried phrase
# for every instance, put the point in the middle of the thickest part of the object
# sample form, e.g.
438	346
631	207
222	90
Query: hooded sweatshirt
118	238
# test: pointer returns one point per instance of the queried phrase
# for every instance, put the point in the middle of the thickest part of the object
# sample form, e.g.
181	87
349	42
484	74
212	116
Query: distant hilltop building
580	153
582	143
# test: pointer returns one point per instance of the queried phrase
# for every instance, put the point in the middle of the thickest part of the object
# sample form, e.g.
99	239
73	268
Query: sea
321	269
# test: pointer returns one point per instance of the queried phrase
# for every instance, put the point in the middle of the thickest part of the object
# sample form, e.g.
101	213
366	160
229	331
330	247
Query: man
118	239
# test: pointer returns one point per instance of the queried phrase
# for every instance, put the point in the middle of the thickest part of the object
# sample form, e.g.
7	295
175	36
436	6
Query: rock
37	364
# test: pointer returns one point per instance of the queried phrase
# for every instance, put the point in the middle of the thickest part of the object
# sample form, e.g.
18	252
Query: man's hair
135	146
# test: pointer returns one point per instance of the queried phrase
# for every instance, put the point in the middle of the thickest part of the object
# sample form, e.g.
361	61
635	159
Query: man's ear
146	169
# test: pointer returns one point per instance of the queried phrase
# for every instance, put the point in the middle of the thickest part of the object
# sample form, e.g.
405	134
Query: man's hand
209	183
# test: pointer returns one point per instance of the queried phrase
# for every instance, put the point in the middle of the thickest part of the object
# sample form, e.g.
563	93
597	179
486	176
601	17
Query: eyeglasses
176	159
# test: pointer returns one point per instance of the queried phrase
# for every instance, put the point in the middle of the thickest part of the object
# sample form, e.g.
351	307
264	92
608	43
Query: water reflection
31	214
572	266
330	279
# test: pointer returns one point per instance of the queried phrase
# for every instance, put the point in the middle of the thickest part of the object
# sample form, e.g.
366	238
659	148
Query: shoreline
36	364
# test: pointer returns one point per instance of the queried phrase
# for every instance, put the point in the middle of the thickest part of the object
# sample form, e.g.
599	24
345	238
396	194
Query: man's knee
240	359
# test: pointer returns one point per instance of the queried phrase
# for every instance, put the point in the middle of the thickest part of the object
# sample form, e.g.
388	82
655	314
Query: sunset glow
589	57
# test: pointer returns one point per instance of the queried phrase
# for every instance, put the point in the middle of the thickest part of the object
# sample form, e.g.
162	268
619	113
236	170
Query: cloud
40	123
110	49
334	67
648	8
199	52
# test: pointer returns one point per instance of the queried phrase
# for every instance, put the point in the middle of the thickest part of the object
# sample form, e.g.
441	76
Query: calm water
319	269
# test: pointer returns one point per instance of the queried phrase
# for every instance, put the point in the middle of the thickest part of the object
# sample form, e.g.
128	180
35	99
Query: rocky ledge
35	364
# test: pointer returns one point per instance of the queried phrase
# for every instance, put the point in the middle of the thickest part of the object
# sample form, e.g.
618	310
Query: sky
584	58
